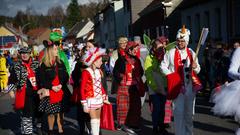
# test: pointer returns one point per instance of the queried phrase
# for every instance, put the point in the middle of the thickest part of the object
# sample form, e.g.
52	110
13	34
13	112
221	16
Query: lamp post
21	30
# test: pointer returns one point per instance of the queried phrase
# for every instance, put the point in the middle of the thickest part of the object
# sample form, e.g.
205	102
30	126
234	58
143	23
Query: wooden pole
198	46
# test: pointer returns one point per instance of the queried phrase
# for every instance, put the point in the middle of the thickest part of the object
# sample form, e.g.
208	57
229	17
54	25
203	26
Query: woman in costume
23	81
54	78
157	84
128	74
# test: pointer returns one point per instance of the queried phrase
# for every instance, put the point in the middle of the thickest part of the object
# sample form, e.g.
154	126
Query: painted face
158	44
133	52
123	45
89	45
98	62
181	43
25	56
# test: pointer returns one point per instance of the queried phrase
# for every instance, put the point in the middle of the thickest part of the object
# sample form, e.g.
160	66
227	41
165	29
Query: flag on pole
201	41
170	46
146	39
204	35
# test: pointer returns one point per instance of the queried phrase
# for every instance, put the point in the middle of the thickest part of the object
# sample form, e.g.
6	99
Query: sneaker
136	129
119	127
128	130
163	132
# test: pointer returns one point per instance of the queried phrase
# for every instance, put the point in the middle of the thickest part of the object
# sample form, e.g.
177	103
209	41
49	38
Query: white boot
95	126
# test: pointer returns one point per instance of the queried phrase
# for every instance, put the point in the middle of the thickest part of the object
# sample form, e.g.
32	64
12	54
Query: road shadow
11	121
212	128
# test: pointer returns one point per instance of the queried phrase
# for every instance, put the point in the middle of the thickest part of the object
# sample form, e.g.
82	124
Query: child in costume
92	92
226	97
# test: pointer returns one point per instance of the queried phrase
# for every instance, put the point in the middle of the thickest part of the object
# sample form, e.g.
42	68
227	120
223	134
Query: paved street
205	123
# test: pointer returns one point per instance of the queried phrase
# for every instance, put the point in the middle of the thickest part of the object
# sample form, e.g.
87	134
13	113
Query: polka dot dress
48	108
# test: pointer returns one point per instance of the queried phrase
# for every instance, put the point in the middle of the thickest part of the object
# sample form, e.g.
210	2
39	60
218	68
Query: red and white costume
92	91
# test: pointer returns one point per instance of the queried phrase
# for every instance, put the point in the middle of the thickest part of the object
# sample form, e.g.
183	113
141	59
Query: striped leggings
26	125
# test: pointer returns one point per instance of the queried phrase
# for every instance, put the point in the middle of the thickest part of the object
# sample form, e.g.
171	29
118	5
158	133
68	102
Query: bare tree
56	15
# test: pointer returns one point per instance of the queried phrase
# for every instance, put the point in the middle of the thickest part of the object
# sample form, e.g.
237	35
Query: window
206	19
189	26
218	23
157	31
237	18
197	26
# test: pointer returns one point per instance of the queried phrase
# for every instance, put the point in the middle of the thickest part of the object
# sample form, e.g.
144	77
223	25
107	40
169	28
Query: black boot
50	132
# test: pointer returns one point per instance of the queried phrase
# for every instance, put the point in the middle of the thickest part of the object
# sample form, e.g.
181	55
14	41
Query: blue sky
10	7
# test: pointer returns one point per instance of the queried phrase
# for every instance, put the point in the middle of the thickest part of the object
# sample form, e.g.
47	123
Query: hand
106	102
194	65
12	94
43	93
85	109
57	88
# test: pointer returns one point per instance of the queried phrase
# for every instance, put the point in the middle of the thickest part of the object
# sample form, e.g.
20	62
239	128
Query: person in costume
141	54
128	74
23	82
179	66
93	95
53	78
122	43
82	117
3	73
157	84
226	97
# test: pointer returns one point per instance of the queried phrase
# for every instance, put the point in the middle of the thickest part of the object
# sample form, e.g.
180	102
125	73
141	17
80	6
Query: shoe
119	127
50	132
61	133
128	130
163	132
155	131
167	125
136	129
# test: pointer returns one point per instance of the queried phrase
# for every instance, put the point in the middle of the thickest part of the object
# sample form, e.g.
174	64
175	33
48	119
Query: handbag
174	85
106	120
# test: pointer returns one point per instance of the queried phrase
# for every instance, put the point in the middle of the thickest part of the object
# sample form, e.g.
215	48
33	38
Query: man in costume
180	68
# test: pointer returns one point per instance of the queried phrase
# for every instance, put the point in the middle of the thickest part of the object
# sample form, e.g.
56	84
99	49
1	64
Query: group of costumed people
170	74
40	87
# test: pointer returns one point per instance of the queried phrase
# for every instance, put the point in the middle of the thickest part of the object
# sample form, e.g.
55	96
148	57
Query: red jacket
86	86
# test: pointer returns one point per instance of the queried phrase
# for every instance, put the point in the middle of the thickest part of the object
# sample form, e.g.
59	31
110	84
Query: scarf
179	68
129	70
121	52
159	53
21	93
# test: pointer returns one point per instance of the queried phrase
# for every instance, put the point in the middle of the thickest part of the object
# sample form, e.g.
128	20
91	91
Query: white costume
226	97
184	104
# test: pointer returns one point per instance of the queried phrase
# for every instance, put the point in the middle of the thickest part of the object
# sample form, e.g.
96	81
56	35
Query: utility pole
21	30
